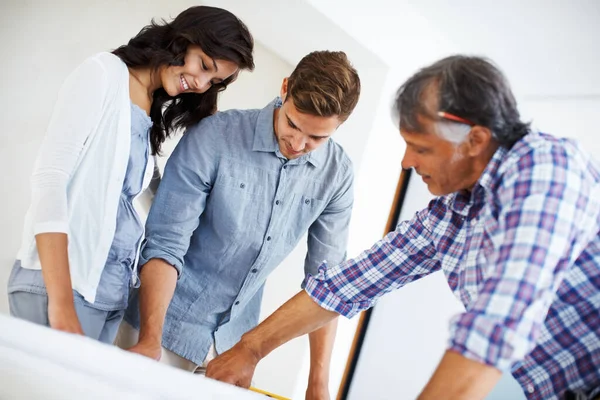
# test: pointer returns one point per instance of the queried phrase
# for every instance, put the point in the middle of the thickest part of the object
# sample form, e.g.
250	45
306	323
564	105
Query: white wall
566	116
546	47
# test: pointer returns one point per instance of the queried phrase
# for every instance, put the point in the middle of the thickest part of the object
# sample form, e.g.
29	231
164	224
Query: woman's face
198	73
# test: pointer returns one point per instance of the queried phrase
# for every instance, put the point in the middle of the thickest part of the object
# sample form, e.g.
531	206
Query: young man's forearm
158	281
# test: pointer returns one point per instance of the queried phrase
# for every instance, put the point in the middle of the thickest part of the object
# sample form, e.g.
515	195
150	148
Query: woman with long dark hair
82	232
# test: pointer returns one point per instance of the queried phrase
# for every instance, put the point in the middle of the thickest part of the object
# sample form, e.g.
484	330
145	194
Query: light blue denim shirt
229	209
113	289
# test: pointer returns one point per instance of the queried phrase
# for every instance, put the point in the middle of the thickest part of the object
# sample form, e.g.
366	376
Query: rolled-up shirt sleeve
181	196
402	256
542	201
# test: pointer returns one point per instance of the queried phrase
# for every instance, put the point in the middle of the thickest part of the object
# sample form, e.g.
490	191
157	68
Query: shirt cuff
148	254
320	290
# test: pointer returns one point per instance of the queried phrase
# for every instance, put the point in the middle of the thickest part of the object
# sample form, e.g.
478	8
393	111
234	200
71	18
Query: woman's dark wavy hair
220	34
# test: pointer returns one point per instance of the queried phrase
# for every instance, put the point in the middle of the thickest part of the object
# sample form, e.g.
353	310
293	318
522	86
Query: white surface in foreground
40	363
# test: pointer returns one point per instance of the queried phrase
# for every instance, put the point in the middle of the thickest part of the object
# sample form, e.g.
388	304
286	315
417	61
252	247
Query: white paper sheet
40	363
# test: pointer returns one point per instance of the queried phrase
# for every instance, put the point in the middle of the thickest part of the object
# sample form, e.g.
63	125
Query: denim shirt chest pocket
241	197
307	202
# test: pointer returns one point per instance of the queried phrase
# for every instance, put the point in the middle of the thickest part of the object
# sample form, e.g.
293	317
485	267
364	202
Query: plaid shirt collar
463	201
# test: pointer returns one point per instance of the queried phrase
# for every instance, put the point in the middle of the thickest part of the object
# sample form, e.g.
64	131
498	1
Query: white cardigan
79	173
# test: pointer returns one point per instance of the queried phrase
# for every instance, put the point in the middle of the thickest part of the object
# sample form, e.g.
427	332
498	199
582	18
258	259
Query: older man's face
445	167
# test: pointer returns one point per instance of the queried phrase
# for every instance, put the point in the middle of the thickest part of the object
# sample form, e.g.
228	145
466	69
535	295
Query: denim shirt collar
265	140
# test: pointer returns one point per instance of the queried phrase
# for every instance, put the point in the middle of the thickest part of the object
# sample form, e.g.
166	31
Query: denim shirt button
242	185
236	303
277	203
307	201
268	238
254	270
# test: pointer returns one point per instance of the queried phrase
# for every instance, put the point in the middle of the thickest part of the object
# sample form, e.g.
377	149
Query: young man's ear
284	89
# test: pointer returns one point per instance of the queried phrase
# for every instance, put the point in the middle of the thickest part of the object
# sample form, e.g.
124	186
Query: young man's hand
150	350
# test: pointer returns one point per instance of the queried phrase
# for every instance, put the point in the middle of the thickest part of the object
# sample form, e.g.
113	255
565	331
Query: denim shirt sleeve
328	235
181	196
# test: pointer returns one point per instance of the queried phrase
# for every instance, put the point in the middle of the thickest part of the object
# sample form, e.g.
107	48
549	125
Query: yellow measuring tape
274	396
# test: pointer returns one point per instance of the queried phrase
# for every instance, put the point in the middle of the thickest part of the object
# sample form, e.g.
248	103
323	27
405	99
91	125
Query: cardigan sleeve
76	114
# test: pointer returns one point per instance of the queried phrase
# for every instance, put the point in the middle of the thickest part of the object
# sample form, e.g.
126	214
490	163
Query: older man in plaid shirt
514	229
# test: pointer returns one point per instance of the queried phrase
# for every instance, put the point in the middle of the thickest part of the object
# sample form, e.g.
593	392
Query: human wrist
150	336
318	377
252	346
62	300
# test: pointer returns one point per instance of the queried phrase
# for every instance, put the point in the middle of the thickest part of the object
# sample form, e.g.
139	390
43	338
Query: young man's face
445	167
298	133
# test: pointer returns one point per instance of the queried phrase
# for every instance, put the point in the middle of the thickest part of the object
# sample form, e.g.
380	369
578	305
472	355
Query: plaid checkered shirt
522	253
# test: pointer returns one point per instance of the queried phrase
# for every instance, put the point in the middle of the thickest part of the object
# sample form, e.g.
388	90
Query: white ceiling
547	48
294	28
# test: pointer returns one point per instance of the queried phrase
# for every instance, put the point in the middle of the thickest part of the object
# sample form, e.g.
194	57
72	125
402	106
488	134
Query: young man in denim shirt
238	193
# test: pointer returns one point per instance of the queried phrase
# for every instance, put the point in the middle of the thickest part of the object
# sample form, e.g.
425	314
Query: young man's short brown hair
324	83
